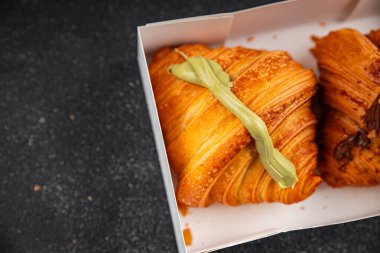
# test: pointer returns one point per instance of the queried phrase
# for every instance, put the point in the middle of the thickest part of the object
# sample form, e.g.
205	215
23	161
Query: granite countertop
78	165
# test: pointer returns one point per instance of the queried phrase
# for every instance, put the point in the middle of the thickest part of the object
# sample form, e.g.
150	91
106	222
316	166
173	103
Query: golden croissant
374	37
349	65
210	149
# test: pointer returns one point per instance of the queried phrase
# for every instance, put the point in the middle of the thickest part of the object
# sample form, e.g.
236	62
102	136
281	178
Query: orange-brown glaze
350	81
209	147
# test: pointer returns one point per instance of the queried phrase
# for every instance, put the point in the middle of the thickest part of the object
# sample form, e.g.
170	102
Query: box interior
221	226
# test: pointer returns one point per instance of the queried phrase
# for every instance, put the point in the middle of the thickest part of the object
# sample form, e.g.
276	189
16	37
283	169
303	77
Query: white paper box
285	26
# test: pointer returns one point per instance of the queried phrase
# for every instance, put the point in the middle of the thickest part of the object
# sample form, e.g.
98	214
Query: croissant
212	152
349	65
374	37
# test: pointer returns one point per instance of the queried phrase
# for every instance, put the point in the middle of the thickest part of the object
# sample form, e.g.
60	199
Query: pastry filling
344	148
372	117
360	138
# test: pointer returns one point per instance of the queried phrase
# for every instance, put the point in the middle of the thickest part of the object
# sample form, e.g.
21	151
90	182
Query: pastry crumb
72	116
37	188
187	236
250	38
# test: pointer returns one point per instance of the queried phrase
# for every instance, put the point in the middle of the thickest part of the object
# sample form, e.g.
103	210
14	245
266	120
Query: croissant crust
212	151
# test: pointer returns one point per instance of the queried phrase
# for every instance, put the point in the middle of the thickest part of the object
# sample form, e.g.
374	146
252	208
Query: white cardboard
286	26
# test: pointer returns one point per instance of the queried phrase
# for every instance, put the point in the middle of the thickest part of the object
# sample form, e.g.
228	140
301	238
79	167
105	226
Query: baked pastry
374	37
211	150
349	65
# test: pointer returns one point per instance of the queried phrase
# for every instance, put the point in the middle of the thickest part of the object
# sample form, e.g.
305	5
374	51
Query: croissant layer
349	64
210	149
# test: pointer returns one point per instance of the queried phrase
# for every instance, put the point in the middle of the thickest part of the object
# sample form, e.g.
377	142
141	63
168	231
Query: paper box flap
280	15
192	30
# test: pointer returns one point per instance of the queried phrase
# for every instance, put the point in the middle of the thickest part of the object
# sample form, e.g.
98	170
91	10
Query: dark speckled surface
78	166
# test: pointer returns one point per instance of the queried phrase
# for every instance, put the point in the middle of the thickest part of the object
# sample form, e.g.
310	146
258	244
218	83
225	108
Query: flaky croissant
349	65
374	37
212	151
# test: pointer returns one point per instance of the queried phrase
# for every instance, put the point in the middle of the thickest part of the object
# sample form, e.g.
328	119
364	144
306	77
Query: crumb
18	231
250	38
327	196
322	24
186	224
90	198
37	188
187	236
274	36
302	208
324	207
74	241
72	116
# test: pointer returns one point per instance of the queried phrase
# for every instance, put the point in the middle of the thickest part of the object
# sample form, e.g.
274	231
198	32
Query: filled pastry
349	65
374	37
209	144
